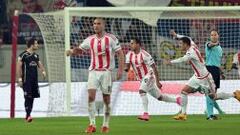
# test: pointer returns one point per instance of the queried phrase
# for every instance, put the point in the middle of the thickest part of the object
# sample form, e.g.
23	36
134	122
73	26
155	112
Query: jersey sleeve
85	45
37	57
185	58
116	45
21	57
148	59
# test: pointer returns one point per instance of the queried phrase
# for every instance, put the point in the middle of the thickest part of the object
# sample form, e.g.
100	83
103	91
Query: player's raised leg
223	95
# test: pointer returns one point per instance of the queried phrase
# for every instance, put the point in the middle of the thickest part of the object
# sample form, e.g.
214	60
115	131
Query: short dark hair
31	42
186	40
214	30
137	40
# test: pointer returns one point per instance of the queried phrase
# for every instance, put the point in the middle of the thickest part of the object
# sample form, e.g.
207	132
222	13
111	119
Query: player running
146	71
201	81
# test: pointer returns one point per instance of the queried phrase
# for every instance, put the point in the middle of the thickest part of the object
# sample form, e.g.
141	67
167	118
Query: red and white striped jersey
140	62
102	51
236	60
195	59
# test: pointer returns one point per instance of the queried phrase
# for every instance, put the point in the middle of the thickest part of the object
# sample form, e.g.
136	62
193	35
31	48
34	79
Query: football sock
91	111
167	98
28	105
209	104
144	102
184	103
215	104
106	117
223	96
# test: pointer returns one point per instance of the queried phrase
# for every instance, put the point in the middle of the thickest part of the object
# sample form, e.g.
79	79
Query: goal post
67	59
64	29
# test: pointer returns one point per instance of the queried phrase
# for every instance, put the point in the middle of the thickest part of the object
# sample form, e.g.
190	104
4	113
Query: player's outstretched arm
185	58
173	33
74	51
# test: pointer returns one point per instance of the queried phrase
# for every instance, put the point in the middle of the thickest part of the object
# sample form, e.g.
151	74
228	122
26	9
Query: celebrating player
201	81
146	71
102	47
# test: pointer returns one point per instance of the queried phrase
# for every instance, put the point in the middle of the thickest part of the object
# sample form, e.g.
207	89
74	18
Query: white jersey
193	56
140	62
102	51
236	60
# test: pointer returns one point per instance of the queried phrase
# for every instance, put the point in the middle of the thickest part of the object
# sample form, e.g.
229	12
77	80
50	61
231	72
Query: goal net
65	29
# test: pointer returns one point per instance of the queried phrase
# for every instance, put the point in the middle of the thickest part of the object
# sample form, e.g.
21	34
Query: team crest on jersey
32	63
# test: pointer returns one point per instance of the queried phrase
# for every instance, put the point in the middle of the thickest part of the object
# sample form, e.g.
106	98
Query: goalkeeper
27	70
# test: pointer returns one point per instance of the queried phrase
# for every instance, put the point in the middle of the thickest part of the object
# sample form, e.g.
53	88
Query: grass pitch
121	125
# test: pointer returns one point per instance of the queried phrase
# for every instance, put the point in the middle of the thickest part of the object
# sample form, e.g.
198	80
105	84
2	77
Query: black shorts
31	89
216	74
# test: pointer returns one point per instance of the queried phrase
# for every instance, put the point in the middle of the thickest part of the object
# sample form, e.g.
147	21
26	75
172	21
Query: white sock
144	102
184	103
91	111
106	117
169	99
223	96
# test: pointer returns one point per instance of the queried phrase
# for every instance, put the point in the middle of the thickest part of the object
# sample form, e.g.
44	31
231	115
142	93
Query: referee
214	54
27	71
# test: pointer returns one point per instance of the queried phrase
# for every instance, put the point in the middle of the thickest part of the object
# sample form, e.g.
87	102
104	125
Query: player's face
182	45
35	46
133	45
214	36
98	25
29	5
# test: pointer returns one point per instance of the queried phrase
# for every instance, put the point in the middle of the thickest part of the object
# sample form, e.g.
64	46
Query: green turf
158	125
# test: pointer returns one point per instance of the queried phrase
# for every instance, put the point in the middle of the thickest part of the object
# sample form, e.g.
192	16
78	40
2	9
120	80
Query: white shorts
100	80
148	84
205	85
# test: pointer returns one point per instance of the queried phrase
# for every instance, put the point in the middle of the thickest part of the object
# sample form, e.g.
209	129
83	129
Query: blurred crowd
27	26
